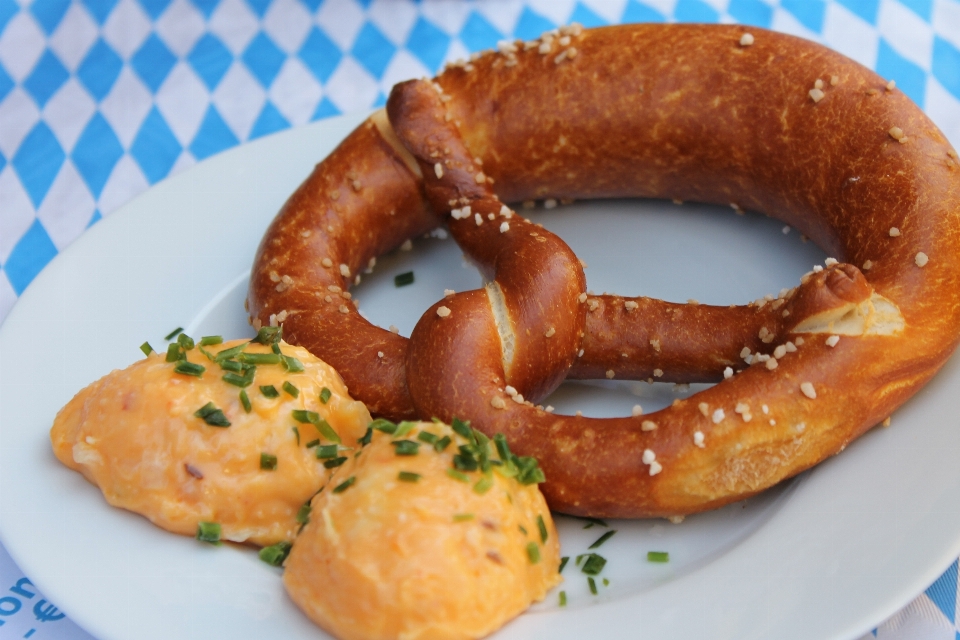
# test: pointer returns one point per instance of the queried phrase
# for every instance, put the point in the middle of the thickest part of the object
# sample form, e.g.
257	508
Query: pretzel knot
801	374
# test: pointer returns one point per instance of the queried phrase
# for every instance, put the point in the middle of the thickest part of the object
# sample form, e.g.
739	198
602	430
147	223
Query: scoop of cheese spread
424	533
181	448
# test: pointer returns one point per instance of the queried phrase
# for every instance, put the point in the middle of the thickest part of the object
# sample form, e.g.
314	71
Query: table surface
100	99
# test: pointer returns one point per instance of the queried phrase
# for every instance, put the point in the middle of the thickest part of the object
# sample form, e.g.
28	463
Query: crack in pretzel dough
501	317
875	316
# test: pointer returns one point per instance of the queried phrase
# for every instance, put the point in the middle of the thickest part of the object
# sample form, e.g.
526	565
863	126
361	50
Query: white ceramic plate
827	555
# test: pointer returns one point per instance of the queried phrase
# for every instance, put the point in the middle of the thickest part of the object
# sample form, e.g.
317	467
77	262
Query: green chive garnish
275	554
238	381
602	539
456	475
270	391
462	428
172	334
591	521
292	364
606	582
209	532
292	390
269	335
259	358
209	340
146	348
367	437
593	585
336	462
306	417
465	461
403	279
543	529
426	436
325	395
213	416
522	529
658	556
232	352
593	564
383	425
327	431
483	485
406	447
185	341
533	552
563	598
296	432
173	352
346	484
563	562
275	347
245	401
303	514
189	369
442	444
408	476
404	428
462	517
230	365
268	462
325	451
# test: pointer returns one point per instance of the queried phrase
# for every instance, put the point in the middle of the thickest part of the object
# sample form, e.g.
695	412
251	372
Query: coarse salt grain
394	329
443	312
655	468
327	262
448	292
895	132
894	232
648	456
818	84
610	374
816	94
772	364
658	373
698	439
868	265
478	218
549	333
630	305
718	416
831	261
497	402
808	390
344	271
504	227
636	411
746	40
648	425
832	341
438	169
891	85
921	259
407	245
704	409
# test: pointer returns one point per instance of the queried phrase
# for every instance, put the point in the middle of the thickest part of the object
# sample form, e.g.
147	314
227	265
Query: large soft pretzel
715	114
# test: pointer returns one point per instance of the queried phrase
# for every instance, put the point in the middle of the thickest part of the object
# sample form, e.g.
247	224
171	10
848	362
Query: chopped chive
406	447
306	417
334	463
296	432
213	416
579	558
275	554
209	532
268	335
462	517
426	436
403	279
259	358
602	539
367	437
173	352
185	341
232	352
270	391
563	562
328	450
462	428
408	476
522	529
210	340
237	381
606	582
456	475
529	471
292	390
658	556
146	348
563	598
533	553
189	369
542	526
230	365
404	428
292	364
346	484
173	334
268	462
327	431
593	564
383	425
275	347
593	585
245	401
483	485
442	444
325	395
303	514
465	462
590	521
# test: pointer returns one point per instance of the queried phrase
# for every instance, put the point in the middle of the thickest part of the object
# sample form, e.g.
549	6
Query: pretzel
715	114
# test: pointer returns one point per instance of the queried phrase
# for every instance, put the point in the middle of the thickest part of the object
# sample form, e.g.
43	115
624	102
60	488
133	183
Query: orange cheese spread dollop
426	532
177	443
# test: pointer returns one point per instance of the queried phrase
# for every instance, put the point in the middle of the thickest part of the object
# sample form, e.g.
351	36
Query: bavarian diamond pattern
99	99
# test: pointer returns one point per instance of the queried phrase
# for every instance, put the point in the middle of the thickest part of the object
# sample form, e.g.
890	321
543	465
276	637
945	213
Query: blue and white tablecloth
99	99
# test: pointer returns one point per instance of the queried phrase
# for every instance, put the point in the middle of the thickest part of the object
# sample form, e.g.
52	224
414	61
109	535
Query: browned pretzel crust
776	124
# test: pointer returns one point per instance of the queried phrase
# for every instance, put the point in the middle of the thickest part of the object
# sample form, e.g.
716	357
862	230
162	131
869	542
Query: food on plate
722	114
217	440
428	531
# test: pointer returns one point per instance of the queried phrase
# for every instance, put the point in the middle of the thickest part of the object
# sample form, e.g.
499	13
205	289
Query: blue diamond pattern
586	17
943	592
155	8
810	13
3	161
946	65
259	6
31	254
263	58
38	160
100	9
96	153
49	13
373	50
753	12
695	11
269	121
866	9
155	148
313	5
923	8
479	34
325	109
153	62
8	9
910	78
210	58
320	54
531	25
48	76
94	218
206	7
6	83
428	43
636	12
213	137
99	69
